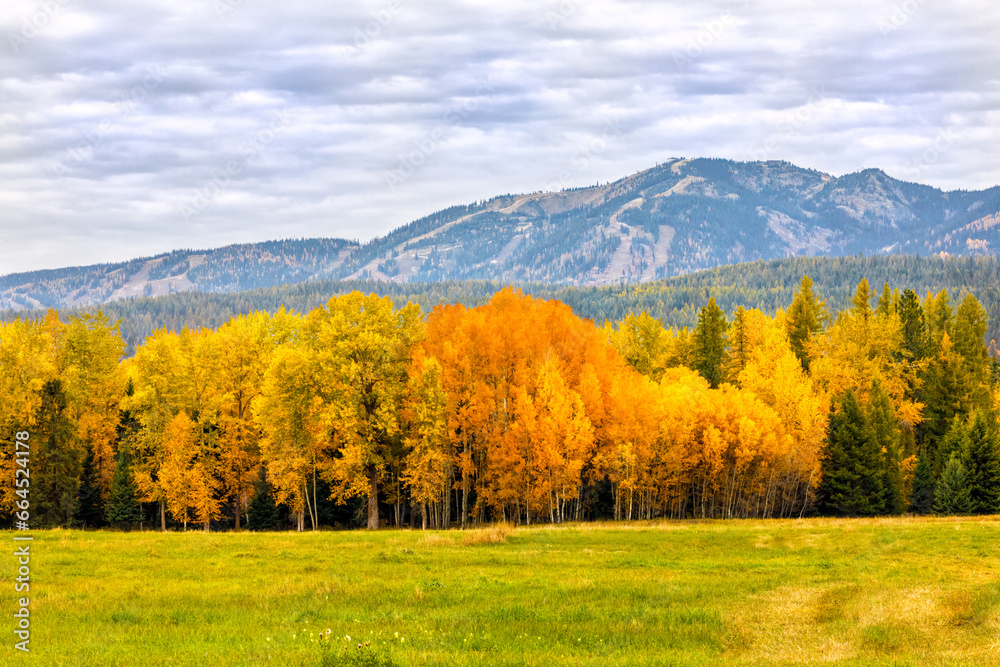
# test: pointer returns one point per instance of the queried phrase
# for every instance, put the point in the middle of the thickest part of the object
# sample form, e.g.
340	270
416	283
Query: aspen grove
516	411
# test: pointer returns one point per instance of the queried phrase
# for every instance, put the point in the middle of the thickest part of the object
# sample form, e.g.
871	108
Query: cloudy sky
133	128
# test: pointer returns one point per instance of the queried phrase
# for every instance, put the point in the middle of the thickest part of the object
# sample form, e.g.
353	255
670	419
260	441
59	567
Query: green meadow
909	591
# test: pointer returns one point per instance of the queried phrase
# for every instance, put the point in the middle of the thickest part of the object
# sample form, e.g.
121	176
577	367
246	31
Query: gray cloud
133	128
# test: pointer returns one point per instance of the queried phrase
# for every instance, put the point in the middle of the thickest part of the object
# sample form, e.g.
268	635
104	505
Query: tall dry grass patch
432	540
495	534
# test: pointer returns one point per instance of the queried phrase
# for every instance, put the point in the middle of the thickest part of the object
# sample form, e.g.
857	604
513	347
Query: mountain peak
679	216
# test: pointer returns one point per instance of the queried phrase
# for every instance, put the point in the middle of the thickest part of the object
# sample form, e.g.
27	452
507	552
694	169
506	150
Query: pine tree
123	508
739	349
911	318
58	463
922	498
882	419
955	441
262	514
805	318
952	493
90	511
982	463
710	344
851	467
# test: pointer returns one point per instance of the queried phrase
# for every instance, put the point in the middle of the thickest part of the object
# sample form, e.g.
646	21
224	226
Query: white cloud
908	85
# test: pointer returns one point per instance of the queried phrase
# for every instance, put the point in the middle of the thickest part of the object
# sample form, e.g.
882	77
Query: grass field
845	592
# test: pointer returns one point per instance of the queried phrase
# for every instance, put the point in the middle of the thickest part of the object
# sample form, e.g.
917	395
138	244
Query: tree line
365	412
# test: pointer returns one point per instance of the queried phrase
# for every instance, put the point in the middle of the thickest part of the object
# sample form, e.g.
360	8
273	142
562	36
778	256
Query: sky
133	128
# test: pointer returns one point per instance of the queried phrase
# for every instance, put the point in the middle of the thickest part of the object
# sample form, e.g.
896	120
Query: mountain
678	217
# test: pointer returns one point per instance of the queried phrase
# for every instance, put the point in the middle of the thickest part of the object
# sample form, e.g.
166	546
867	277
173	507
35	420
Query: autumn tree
359	349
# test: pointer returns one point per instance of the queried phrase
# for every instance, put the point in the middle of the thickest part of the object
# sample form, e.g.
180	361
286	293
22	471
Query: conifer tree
90	511
955	441
851	467
57	464
982	463
887	301
739	344
882	420
951	496
123	509
710	344
911	317
262	514
922	498
862	301
804	319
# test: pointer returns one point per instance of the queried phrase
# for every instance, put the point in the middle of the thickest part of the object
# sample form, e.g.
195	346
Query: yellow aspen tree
27	363
95	384
245	347
428	457
360	349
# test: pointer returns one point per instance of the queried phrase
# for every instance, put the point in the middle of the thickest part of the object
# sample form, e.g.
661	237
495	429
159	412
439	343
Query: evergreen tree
739	345
90	512
123	508
951	495
882	419
922	498
710	344
955	441
982	463
805	318
262	514
852	471
57	465
911	318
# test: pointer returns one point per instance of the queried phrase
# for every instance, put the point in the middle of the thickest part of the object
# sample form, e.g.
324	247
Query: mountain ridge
680	216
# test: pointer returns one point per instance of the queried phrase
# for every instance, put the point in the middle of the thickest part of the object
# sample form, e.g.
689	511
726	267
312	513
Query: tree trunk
305	492
372	498
446	502
237	513
163	515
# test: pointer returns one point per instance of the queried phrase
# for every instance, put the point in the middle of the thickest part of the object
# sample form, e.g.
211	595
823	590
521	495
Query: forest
365	412
675	302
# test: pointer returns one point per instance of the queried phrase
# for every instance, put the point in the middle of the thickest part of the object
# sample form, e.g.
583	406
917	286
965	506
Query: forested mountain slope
678	217
766	285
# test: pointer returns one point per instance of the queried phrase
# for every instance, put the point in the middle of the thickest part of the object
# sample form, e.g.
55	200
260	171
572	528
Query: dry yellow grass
495	534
